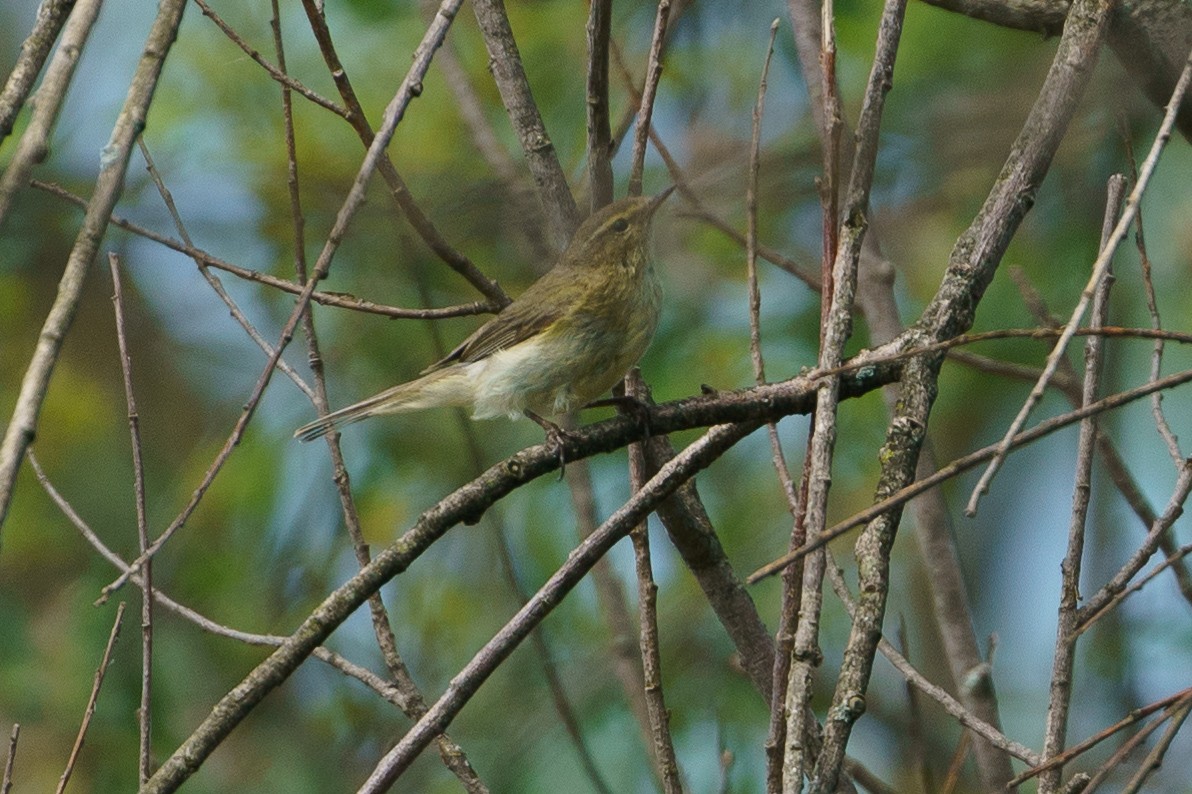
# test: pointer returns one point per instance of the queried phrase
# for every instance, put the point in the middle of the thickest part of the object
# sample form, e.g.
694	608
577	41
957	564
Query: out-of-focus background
267	543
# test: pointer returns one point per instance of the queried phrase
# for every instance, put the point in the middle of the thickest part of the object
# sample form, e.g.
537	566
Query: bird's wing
522	319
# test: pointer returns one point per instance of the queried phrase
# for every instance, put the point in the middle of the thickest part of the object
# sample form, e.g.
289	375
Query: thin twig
413	704
1154	759
6	782
646	107
108	185
277	74
212	280
90	710
1173	558
339	299
1065	636
963	464
781	668
836	298
1135	716
144	714
386	690
1152	305
1099	267
1095	605
579	562
34	145
398	190
352	202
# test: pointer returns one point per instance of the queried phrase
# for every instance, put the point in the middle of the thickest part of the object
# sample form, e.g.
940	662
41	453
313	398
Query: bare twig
90	710
646	108
647	594
791	583
35	141
1154	759
836	298
600	143
338	299
1173	558
393	115
138	472
1152	305
212	280
578	563
1099	267
647	612
1135	716
506	66
873	547
1065	636
963	464
51	16
755	298
1095	605
108	185
277	74
413	704
386	690
6	782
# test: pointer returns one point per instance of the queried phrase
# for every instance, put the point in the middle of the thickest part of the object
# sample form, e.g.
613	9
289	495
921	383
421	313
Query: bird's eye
620	225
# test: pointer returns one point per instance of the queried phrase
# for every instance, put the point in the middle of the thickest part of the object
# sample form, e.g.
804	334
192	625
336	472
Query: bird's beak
656	202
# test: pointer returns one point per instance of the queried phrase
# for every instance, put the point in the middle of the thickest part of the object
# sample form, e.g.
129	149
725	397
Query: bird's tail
442	387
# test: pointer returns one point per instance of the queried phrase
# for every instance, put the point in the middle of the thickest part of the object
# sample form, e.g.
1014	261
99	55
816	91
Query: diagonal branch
108	186
506	66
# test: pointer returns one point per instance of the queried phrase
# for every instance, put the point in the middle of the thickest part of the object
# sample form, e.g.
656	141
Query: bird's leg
555	436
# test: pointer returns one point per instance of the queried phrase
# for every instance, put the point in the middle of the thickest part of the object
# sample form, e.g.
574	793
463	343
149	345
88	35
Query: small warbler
568	339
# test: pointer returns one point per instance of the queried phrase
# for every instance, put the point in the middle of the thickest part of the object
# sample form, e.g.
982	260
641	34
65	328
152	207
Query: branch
89	712
108	186
684	466
35	141
412	702
646	107
967	462
600	142
1065	636
1100	267
51	15
506	66
394	112
339	299
138	468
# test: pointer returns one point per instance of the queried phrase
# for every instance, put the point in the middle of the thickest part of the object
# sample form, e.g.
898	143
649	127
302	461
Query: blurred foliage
266	543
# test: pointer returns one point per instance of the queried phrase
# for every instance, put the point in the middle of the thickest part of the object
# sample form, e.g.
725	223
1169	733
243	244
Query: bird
565	341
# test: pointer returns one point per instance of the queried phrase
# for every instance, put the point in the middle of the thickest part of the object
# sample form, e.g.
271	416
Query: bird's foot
556	437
